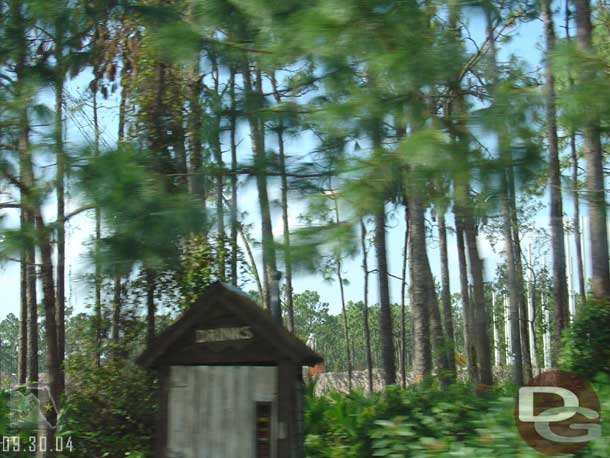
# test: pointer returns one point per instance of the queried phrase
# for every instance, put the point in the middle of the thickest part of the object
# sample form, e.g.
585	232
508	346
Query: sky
527	44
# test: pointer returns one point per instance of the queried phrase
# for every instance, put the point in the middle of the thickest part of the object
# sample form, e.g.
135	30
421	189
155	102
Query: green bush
424	422
586	346
8	432
109	411
339	425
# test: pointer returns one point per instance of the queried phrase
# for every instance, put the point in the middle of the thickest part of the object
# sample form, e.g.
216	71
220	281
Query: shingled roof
238	303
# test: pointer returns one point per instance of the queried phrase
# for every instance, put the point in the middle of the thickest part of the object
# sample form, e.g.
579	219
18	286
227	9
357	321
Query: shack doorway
207	405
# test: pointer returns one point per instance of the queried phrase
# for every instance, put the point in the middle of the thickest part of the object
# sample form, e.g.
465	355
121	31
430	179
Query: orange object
316	370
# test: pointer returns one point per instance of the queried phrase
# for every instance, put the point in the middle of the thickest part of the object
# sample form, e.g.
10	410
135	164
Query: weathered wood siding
211	409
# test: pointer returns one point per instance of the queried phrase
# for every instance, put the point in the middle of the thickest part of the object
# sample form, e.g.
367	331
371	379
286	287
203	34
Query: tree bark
117	292
150	307
23	147
385	313
466	306
346	333
439	351
253	267
582	288
578	236
254	97
32	318
514	293
523	314
116	312
365	309
219	178
348	352
48	290
28	200
479	309
98	236
27	271
60	187
420	313
22	358
560	290
531	292
234	206
446	295
286	227
196	176
596	201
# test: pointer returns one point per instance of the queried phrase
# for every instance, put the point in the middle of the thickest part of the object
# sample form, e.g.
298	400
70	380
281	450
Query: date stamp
36	444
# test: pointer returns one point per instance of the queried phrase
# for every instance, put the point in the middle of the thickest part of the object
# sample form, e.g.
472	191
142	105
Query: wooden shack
230	381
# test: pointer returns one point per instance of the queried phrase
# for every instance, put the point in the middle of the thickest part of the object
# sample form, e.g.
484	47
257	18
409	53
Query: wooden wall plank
246	424
203	412
162	415
211	410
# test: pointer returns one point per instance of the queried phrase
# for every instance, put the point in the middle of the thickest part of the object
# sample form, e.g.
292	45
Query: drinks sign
223	334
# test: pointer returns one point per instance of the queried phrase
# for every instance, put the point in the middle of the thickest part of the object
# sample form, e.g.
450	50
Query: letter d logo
526	404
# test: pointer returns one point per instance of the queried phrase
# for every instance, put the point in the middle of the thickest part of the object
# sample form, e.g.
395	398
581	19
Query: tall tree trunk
219	178
32	296
27	271
32	318
479	308
560	290
23	266
514	293
500	356
48	290
348	352
117	292
123	106
523	315
234	207
179	149
365	308
531	300
253	268
254	96
116	313
455	110
582	288
150	307
403	288
446	294
28	200
436	327
98	236
61	234
22	358
197	180
346	333
156	128
466	305
284	203
596	201
420	314
385	313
